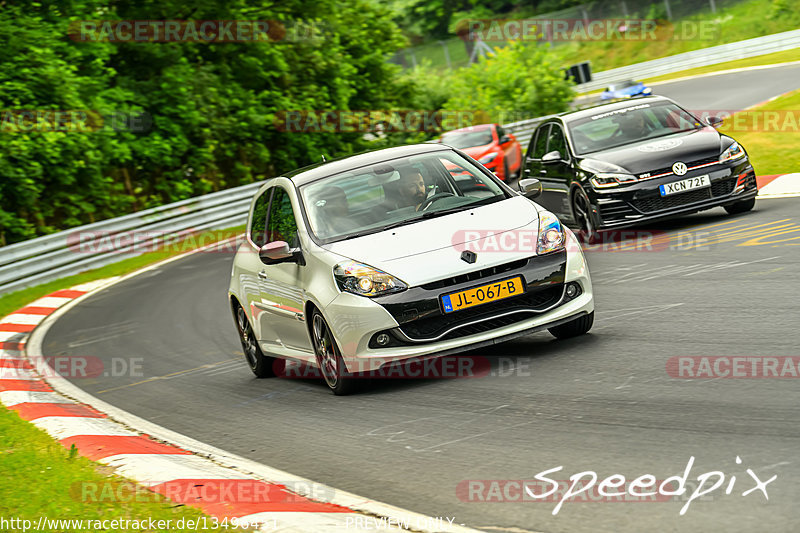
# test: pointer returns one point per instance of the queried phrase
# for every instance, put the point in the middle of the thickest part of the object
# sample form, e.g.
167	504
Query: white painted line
251	469
13	397
92	285
154	469
19	373
13	335
49	301
61	427
788	184
11	354
22	318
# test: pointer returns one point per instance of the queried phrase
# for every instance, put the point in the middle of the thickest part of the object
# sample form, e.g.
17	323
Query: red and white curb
187	471
779	186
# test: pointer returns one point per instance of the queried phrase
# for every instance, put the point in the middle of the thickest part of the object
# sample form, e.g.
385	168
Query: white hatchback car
398	255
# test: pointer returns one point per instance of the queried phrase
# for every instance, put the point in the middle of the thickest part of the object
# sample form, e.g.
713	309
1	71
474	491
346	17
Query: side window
282	225
557	141
258	228
500	132
540	148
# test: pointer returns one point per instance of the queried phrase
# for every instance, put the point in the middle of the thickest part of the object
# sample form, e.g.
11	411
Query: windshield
611	129
467	139
395	192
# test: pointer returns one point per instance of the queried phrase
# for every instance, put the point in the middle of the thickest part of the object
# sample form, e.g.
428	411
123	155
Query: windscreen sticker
620	111
661	146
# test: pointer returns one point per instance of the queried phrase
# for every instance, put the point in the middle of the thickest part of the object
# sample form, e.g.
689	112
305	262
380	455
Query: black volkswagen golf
624	163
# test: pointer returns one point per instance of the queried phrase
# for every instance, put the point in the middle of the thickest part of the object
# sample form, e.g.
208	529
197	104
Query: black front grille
659	203
473	276
426	328
619	209
723	187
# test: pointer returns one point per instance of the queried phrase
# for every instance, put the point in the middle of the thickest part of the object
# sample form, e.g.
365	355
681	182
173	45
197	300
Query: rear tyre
740	207
582	212
262	366
329	358
576	327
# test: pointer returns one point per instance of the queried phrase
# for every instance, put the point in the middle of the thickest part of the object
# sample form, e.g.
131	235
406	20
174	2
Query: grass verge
42	478
774	148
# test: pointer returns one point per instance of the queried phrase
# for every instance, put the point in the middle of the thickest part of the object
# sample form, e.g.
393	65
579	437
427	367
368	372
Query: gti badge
679	168
469	256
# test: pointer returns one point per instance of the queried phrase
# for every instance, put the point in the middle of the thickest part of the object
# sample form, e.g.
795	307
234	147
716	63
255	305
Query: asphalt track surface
713	285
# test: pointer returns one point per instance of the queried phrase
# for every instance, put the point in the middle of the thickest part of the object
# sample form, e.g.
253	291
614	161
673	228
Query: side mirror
530	187
714	122
505	139
277	252
551	157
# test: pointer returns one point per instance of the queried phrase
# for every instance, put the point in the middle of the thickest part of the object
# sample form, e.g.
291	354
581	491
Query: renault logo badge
679	168
469	256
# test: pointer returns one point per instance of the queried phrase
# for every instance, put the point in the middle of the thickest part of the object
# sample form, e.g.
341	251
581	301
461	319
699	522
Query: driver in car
635	126
411	187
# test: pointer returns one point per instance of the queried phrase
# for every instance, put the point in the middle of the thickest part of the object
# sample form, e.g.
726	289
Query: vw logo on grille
469	256
679	168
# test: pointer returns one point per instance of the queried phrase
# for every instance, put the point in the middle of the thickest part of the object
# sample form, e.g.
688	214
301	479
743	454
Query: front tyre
574	328
582	212
740	207
262	366
329	358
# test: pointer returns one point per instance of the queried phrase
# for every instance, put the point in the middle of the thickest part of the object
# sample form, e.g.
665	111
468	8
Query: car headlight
734	151
364	280
647	90
485	160
603	180
551	234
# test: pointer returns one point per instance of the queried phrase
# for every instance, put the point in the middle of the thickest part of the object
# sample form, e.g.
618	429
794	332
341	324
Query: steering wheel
429	201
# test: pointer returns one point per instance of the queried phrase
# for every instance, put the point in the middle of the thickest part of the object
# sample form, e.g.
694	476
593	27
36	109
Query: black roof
345	164
612	106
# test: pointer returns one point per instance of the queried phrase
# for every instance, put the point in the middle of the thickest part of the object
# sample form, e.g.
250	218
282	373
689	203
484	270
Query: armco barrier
46	258
50	257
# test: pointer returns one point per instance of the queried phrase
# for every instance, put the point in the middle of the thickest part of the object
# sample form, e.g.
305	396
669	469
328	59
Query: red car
490	145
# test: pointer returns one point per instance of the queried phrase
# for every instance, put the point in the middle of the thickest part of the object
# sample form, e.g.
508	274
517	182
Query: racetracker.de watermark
733	367
72	121
526	240
755	120
143	241
162	31
447	367
375	121
76	367
587	30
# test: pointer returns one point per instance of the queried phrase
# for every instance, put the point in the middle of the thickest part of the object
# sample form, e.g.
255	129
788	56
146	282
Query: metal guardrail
704	57
59	255
666	65
91	246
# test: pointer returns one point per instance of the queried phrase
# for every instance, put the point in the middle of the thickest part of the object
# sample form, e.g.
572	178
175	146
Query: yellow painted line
148	380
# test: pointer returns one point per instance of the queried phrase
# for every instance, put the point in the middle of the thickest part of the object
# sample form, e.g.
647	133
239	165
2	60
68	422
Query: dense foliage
164	121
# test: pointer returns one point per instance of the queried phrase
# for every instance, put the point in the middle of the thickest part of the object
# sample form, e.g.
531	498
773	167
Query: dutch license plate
688	184
490	292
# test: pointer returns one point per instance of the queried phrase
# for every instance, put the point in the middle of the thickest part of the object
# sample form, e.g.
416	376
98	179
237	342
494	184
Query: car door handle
262	275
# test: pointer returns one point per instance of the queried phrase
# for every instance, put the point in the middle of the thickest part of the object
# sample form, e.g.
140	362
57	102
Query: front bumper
419	328
642	201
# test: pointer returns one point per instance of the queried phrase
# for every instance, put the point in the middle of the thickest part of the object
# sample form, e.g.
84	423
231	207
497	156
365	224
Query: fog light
382	339
573	290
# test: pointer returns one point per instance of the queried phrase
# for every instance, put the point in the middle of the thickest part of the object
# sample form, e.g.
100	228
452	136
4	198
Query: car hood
430	250
654	154
476	152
